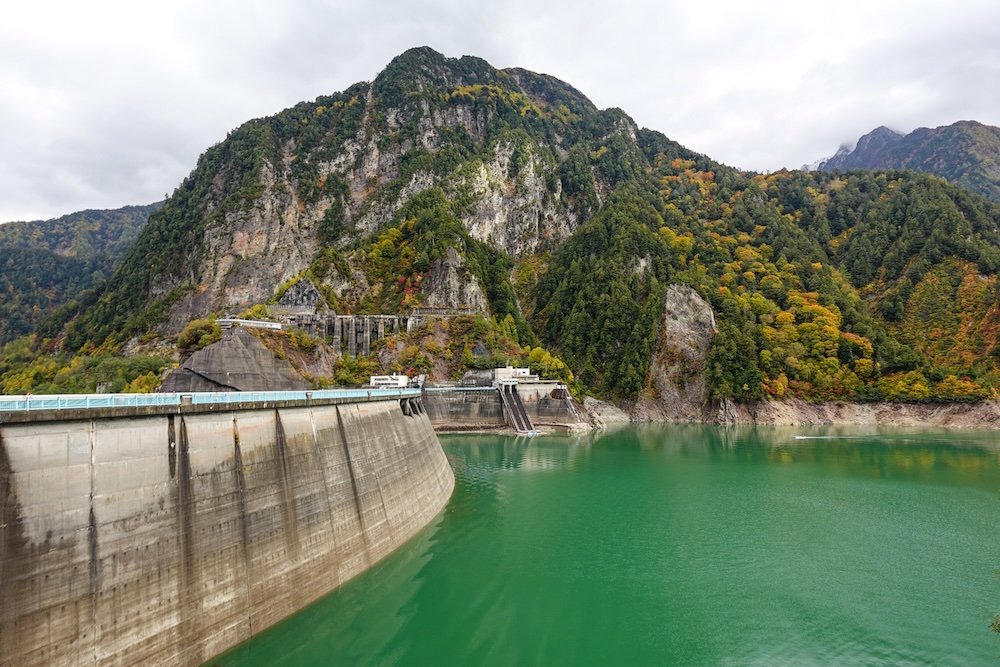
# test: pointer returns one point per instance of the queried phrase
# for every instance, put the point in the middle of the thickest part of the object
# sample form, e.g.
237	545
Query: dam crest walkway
24	408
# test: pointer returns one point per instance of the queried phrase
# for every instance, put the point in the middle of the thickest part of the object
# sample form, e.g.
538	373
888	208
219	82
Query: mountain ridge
337	169
46	263
966	153
445	182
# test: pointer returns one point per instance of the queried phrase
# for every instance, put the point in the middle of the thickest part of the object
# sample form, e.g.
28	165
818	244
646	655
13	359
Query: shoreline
543	429
983	415
596	414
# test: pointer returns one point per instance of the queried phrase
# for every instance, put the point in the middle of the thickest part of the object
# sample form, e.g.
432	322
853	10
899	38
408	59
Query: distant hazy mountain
46	263
966	153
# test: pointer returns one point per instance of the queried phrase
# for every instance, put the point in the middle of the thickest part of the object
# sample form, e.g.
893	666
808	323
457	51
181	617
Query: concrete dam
158	533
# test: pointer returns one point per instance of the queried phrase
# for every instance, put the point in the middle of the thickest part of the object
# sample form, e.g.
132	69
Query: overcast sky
108	103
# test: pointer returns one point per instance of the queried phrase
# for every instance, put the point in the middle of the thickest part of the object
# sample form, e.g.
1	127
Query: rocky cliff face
679	391
446	183
450	285
519	215
301	296
281	193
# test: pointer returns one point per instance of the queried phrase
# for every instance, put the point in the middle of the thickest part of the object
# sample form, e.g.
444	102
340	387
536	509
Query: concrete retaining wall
464	409
167	539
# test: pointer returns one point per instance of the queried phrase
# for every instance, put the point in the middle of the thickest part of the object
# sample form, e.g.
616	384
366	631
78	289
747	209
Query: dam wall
465	409
169	538
480	408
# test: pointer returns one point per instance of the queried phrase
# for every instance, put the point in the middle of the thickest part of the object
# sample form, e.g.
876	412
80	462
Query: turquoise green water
682	546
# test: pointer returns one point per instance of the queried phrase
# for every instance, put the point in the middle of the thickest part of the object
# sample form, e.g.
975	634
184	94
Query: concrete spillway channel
167	534
514	410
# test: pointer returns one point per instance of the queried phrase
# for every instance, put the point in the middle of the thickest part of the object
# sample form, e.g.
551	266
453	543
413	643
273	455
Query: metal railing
230	322
29	402
459	388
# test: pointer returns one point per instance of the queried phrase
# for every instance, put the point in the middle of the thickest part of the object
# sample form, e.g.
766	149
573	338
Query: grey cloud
105	106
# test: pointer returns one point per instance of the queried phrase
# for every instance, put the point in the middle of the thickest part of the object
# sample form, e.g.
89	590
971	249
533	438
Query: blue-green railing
96	401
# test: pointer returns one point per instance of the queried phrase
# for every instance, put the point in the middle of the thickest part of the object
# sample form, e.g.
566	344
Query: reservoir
682	545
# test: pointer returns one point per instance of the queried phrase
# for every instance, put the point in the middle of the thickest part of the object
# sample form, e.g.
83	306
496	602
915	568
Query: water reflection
687	545
307	637
952	457
488	454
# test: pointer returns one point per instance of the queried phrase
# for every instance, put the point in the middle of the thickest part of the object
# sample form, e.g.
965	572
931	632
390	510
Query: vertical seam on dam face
171	447
184	493
92	523
185	535
12	540
168	539
241	504
290	512
354	481
322	468
92	544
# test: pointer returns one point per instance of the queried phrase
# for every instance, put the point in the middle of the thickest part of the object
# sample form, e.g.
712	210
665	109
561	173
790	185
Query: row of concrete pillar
353	334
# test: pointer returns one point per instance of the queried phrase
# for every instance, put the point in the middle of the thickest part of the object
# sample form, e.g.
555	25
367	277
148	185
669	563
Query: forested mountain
966	153
45	263
449	183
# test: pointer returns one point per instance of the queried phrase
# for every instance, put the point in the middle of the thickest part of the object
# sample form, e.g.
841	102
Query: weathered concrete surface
167	539
549	404
467	410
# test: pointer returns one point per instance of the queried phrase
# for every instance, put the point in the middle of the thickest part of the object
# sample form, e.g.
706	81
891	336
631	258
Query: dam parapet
66	407
166	533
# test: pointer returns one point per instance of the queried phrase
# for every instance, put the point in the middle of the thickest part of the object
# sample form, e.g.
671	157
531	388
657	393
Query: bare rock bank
679	388
602	414
795	412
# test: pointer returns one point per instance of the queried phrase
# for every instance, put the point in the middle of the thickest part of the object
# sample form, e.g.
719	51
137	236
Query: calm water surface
683	546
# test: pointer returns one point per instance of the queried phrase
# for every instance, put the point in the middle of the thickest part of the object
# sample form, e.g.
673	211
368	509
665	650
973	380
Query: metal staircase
514	410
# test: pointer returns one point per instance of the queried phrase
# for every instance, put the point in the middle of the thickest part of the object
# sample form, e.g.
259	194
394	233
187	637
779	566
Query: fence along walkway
27	403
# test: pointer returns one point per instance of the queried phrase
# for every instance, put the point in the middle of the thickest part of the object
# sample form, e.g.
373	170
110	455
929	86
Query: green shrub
197	335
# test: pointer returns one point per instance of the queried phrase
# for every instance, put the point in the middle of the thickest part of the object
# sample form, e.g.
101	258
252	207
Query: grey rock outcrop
316	189
796	412
450	284
238	362
517	214
301	297
677	372
729	412
603	414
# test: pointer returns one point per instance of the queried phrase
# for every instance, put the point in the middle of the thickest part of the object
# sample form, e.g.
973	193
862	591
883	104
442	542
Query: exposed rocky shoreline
596	414
982	415
795	412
